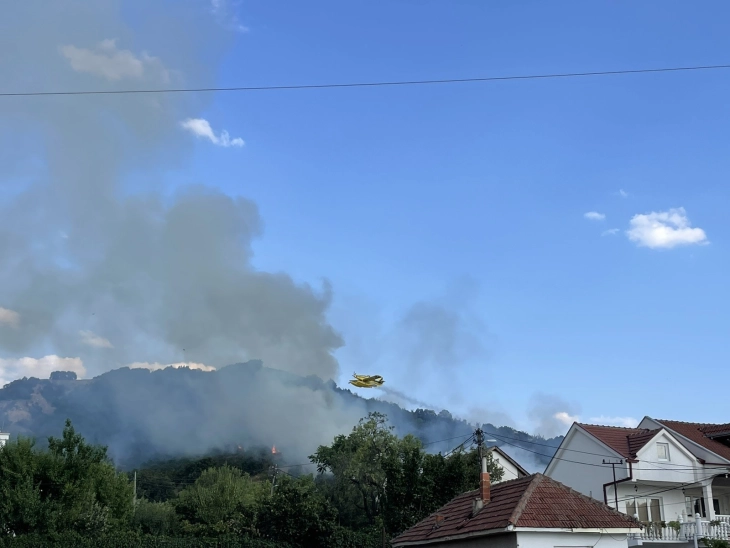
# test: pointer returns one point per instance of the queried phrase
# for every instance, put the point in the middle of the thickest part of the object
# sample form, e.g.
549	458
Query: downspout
614	483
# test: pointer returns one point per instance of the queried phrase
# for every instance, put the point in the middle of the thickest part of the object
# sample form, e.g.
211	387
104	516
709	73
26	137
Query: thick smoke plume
91	266
105	264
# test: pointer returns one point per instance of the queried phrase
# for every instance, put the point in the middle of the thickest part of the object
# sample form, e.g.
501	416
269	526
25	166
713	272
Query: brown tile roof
698	432
625	441
534	501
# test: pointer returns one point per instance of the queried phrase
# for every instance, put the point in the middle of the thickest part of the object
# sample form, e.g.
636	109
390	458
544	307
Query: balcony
718	529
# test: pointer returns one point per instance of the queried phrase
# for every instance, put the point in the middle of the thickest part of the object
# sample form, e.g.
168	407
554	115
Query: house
533	511
511	468
661	471
4	439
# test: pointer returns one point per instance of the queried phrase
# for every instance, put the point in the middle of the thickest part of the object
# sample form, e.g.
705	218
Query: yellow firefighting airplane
366	381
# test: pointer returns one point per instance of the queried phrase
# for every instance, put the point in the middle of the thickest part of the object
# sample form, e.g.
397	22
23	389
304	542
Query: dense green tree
376	476
356	462
71	487
297	513
221	499
156	518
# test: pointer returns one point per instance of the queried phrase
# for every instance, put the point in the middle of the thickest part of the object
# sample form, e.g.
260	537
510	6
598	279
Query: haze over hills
142	415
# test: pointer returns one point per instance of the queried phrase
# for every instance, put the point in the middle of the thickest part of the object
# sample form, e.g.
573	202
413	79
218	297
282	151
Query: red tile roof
625	441
534	501
698	433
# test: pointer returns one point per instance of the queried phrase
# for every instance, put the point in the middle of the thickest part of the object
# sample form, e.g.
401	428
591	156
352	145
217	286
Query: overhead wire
674	467
365	84
553	457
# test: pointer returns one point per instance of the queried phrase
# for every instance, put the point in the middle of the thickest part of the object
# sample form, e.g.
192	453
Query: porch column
707	495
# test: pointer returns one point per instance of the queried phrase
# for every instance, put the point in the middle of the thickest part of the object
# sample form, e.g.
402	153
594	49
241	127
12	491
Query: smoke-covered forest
143	415
362	488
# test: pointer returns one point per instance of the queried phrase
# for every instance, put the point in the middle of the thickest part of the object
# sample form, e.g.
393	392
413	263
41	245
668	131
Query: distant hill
142	415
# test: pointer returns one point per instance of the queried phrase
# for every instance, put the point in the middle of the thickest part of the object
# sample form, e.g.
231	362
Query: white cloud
92	339
16	368
9	317
627	422
222	10
565	418
157	366
623	193
610	232
594	216
665	229
201	128
112	63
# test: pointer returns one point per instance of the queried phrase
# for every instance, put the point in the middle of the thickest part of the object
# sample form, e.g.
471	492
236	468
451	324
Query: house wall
510	471
671	500
582	466
570	540
506	540
4	438
678	469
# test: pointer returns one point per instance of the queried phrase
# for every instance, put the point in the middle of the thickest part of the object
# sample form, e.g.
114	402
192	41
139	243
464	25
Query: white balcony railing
719	529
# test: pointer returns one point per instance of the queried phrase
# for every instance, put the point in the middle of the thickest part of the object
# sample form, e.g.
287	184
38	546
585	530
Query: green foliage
156	518
371	484
162	481
378	476
674	525
297	513
715	543
133	540
221	500
70	487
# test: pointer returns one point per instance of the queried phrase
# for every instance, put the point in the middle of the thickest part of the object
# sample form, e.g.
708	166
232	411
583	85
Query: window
662	451
648	510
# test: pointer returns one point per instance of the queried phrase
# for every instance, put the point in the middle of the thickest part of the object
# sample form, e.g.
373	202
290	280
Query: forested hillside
142	415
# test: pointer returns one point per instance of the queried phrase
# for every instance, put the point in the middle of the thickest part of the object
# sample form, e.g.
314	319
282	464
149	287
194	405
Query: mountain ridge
142	415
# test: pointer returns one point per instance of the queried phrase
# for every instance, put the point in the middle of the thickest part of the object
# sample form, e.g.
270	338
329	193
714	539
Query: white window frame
666	446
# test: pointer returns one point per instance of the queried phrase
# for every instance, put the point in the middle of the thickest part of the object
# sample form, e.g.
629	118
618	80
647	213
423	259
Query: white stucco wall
678	469
506	540
571	540
510	471
580	465
4	438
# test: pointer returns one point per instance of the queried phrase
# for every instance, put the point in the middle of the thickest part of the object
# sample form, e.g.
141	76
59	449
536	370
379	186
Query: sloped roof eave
472	534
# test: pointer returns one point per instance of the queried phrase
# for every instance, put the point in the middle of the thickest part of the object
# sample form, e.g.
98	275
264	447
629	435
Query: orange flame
273	450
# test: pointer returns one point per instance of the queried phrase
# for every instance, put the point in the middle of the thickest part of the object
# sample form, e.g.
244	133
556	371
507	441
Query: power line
364	84
602	465
673	468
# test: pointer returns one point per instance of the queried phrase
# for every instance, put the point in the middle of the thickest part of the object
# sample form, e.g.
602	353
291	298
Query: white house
4	438
665	471
512	469
530	512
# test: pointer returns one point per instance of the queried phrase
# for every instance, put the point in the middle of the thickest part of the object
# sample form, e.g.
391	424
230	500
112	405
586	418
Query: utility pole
479	439
613	467
273	480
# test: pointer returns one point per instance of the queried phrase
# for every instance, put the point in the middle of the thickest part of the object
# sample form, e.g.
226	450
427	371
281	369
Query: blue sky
397	194
471	198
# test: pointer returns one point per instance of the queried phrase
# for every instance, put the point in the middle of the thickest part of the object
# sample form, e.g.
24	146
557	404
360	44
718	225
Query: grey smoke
150	271
443	334
551	414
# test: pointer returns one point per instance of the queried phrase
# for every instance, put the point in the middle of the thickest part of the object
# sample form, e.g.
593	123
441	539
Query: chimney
484	484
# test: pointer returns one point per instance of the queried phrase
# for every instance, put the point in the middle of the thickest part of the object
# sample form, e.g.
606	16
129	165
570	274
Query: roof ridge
610	426
693	423
524	499
643	432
